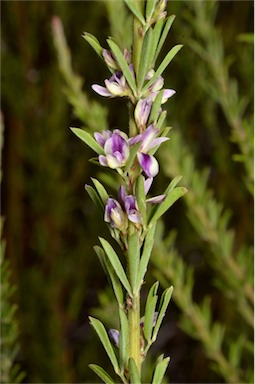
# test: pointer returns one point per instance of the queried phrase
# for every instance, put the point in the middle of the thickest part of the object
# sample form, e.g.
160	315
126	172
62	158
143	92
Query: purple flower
116	148
132	210
148	140
166	95
156	86
109	59
115	86
148	163
114	335
153	200
102	137
114	215
129	204
154	320
142	112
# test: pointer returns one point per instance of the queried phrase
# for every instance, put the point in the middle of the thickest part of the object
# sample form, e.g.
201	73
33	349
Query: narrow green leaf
100	330
150	311
168	58
165	298
159	359
102	257
132	156
154	115
124	340
141	198
101	190
170	199
168	23
133	371
101	373
94	197
156	36
146	58
117	288
134	260
169	188
123	64
88	139
92	40
135	10
161	119
173	183
160	371
116	264
150	8
147	248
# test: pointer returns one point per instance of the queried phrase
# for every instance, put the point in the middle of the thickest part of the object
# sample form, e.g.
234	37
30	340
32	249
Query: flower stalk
130	214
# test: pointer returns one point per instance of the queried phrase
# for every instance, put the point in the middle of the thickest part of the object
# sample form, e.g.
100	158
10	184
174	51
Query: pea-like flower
115	86
116	148
110	60
115	335
148	140
142	113
129	203
156	86
114	215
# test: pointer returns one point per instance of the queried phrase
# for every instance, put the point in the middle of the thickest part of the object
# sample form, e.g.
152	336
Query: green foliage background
51	225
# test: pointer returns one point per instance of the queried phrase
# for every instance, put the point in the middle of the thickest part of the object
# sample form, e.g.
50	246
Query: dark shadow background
50	222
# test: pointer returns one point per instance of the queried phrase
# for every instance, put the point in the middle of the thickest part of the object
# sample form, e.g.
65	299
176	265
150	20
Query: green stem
134	331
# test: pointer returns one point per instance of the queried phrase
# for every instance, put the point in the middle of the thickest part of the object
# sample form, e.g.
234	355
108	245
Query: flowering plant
132	216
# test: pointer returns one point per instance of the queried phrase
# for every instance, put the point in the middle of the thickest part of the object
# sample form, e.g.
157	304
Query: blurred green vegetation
51	225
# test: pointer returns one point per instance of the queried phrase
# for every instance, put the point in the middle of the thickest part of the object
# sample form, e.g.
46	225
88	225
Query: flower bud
109	59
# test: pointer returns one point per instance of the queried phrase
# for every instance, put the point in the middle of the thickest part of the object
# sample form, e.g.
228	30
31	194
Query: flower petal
156	199
147	184
167	94
148	138
114	335
101	90
102	160
113	162
114	88
114	214
102	137
149	164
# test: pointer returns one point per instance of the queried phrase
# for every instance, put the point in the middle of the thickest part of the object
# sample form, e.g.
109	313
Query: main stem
134	302
134	331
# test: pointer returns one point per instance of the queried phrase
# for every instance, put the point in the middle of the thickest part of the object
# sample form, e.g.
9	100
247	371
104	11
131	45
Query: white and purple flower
116	148
148	140
115	86
129	203
114	215
156	86
115	335
142	113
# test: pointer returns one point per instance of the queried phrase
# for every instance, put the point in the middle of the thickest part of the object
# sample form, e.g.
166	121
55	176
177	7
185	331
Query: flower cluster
117	146
119	212
129	216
